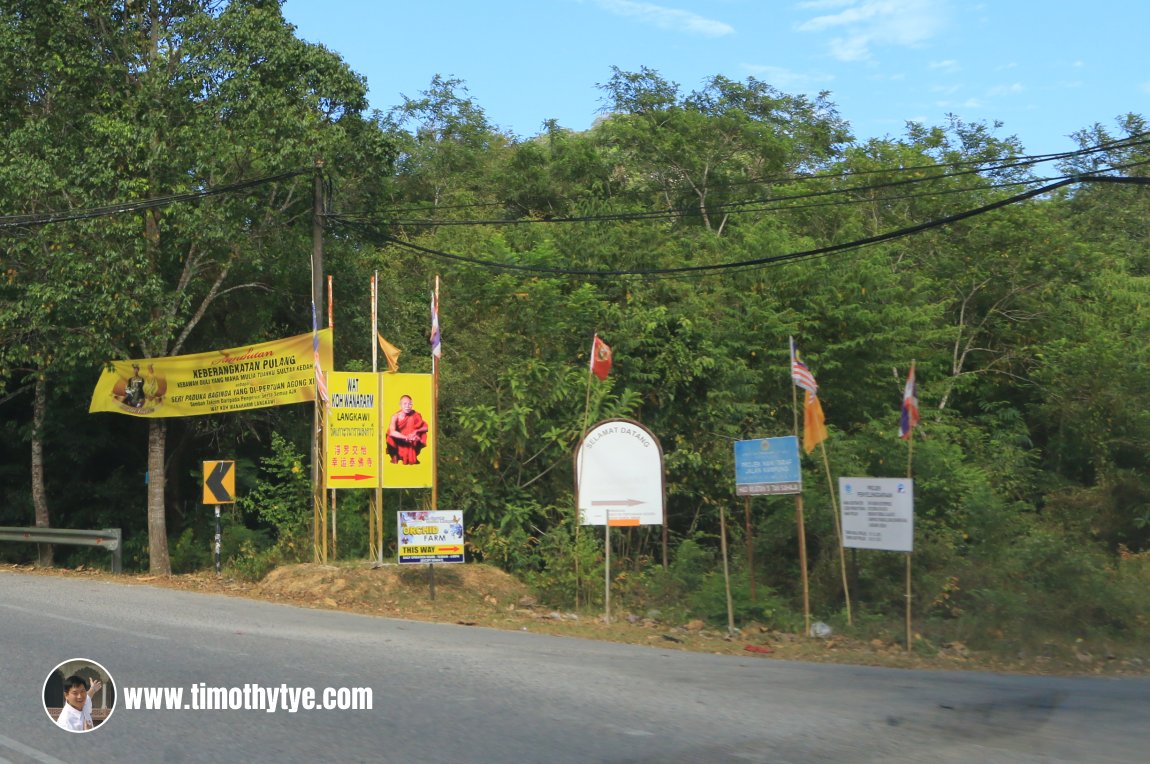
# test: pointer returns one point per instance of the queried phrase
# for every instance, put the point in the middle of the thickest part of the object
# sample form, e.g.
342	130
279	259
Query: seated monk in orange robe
406	434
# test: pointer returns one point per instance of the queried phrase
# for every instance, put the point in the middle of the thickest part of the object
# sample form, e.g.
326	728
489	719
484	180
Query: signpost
619	482
429	537
219	488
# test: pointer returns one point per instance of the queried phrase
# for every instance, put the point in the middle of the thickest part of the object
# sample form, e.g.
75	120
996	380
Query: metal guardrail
109	539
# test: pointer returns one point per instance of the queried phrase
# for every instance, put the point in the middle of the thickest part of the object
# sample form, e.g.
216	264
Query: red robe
414	429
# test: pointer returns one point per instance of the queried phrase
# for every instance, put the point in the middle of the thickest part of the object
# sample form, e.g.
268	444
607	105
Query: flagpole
909	476
579	477
323	470
377	511
317	474
838	532
799	512
435	414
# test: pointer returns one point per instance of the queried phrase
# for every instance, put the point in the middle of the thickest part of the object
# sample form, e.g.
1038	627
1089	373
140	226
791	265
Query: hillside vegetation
694	231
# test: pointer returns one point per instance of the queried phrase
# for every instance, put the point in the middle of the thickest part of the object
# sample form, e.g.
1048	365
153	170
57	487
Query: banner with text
272	373
353	430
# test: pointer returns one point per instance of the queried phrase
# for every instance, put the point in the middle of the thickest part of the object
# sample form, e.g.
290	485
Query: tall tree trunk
158	562
39	494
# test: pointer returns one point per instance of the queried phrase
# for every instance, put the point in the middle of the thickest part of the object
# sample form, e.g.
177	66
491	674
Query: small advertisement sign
767	466
877	513
430	537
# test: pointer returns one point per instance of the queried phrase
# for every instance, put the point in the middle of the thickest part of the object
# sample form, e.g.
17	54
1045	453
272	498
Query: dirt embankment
481	595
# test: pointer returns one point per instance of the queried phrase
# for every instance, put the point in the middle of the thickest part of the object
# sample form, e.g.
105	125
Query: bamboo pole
579	476
377	539
838	533
801	526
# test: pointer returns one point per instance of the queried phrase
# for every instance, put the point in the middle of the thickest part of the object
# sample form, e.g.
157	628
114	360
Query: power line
45	218
774	259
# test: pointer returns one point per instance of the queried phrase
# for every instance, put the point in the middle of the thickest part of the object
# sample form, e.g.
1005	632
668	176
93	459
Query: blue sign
767	466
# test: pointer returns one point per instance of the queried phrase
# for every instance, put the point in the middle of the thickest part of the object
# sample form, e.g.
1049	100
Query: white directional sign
619	475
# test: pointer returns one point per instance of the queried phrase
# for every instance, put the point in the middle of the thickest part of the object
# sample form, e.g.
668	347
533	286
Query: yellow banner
353	437
272	373
408	430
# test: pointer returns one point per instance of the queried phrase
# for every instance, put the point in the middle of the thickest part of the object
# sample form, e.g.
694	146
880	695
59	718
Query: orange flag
391	352
814	424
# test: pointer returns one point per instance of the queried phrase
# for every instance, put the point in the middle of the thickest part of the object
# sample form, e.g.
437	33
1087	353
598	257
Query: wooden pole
377	539
799	521
319	511
838	533
435	416
579	476
750	547
726	569
331	325
910	476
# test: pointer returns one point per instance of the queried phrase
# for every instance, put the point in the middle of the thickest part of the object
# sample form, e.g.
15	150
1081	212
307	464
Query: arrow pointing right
351	477
616	503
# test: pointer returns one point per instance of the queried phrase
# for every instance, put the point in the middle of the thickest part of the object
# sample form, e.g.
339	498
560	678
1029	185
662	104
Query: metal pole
217	544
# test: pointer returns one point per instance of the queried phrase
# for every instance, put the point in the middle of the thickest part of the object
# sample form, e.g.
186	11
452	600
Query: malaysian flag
909	417
801	375
320	379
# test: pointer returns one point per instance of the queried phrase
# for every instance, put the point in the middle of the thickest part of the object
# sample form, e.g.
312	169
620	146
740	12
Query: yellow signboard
353	437
219	482
409	432
272	373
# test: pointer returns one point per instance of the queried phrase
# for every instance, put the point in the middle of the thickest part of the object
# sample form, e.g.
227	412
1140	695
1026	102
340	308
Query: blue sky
1044	69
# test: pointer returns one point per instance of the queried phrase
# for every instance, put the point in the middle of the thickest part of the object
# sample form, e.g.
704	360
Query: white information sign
619	475
878	513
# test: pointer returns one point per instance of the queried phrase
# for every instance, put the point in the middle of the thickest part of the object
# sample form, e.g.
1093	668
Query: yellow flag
814	424
392	353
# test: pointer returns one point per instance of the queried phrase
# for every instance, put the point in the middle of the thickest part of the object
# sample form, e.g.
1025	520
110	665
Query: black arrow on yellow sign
219	482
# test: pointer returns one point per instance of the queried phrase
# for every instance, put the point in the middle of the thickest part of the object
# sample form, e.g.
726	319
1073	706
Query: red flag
600	358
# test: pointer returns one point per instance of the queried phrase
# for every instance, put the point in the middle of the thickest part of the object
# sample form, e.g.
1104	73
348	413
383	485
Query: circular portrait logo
79	695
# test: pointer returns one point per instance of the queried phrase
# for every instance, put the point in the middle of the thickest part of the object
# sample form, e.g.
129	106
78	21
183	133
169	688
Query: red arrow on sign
450	548
616	503
351	477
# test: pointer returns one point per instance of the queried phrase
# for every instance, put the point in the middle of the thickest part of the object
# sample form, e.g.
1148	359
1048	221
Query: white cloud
1003	90
667	18
787	79
865	24
949	65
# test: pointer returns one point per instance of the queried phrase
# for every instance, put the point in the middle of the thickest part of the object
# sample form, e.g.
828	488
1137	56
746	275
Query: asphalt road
461	694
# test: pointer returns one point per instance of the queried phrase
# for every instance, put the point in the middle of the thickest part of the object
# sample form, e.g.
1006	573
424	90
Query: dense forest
157	171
